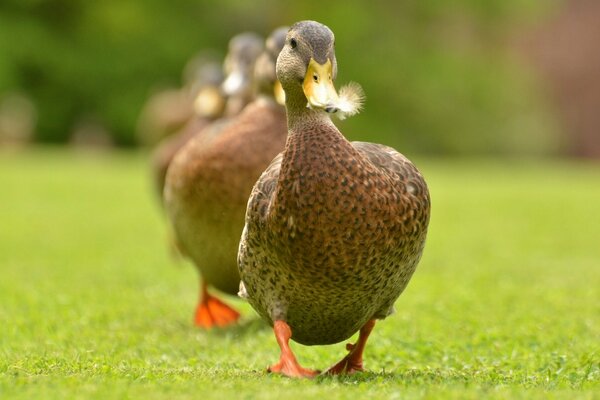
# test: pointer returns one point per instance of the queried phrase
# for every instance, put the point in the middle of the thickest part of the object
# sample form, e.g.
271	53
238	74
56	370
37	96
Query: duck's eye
316	78
293	43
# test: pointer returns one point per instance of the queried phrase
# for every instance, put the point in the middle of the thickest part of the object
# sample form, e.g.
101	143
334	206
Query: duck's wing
388	159
259	204
257	210
263	191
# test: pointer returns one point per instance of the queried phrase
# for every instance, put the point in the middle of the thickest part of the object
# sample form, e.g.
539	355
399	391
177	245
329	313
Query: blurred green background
443	78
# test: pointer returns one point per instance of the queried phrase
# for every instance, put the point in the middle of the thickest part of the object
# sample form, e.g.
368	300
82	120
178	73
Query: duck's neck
311	159
300	117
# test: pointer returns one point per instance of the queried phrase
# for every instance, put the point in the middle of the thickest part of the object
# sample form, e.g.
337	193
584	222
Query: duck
208	106
239	66
168	111
334	229
221	93
210	179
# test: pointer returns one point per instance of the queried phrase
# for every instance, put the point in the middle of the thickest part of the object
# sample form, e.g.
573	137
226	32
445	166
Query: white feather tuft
351	100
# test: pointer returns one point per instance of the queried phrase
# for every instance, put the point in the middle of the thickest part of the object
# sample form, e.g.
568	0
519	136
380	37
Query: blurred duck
216	97
334	229
208	105
168	111
239	64
210	179
165	113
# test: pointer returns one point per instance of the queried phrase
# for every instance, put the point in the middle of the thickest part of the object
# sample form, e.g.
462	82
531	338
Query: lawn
505	303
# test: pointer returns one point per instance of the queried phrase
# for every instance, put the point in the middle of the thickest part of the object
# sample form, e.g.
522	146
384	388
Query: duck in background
334	229
215	97
210	179
208	105
167	111
239	63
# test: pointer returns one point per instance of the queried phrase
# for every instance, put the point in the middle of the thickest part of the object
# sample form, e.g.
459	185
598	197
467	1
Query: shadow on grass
429	376
247	327
366	376
406	376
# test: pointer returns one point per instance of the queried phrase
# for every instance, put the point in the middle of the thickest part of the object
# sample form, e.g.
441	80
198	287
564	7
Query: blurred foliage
439	76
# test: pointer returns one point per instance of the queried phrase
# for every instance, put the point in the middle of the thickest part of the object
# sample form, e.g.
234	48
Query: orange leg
213	312
288	365
353	362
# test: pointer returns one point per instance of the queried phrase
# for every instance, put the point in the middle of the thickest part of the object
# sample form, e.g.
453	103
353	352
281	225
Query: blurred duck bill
321	94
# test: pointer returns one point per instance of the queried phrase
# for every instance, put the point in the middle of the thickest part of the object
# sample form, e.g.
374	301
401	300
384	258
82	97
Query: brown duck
210	104
334	229
208	185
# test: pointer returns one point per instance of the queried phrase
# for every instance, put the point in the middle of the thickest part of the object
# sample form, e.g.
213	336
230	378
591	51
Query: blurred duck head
243	51
203	75
264	70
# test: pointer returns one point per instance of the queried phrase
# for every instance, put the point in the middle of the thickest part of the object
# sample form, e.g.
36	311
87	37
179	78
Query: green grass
505	303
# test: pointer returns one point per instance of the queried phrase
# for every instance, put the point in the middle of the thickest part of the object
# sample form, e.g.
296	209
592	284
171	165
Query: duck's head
264	70
243	51
307	67
204	76
205	68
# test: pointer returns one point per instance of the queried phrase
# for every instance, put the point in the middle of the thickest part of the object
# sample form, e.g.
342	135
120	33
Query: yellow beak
318	87
209	102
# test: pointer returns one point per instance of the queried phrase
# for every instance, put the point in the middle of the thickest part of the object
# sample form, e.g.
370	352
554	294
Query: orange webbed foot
292	369
288	365
212	312
348	365
353	362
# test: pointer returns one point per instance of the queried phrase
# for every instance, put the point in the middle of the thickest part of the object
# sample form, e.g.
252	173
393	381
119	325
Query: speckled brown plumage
334	233
334	230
